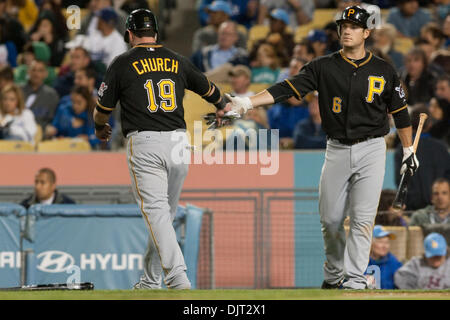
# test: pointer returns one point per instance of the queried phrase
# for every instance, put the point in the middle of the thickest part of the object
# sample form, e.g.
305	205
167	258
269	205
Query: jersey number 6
166	93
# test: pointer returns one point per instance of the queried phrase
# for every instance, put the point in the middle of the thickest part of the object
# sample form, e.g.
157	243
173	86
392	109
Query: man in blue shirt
408	18
381	256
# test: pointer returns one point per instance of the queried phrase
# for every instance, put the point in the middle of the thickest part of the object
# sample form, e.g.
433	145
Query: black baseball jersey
149	81
354	97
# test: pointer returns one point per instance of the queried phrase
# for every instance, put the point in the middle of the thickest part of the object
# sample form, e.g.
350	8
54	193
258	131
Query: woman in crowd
74	119
46	30
16	122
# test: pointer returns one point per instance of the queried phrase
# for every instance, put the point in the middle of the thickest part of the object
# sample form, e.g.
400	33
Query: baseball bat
402	190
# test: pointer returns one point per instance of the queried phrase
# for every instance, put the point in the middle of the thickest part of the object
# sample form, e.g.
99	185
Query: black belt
350	142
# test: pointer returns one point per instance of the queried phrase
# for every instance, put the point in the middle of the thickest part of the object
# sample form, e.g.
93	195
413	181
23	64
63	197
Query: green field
269	294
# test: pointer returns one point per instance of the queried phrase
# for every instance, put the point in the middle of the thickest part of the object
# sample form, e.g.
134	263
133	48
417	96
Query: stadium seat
39	134
257	32
322	17
16	146
403	44
64	145
415	242
302	31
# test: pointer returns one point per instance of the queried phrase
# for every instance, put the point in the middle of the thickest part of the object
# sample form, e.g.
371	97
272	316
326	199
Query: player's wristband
99	127
221	104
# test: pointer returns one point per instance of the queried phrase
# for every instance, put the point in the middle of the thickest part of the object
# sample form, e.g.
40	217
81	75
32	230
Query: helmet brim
340	21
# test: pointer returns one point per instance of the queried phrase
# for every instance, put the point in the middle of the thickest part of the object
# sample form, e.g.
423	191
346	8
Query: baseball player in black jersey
357	90
149	81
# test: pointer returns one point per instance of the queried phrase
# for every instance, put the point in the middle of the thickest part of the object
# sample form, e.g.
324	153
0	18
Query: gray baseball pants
157	181
350	185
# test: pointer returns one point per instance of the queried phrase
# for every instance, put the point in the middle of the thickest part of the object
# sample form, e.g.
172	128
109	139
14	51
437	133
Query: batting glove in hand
227	119
240	105
409	161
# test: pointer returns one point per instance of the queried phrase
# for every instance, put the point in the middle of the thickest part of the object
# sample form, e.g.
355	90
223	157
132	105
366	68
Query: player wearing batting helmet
357	91
149	81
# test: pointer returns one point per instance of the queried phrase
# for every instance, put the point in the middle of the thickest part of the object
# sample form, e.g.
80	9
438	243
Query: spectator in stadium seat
440	114
440	62
443	87
45	30
424	45
318	39
266	67
74	119
45	191
55	7
439	211
440	10
240	81
300	11
224	52
333	43
408	18
89	23
430	271
40	98
308	133
36	50
12	29
285	115
384	39
433	34
386	214
279	37
304	50
130	5
16	122
218	12
87	77
243	12
418	80
434	160
446	30
79	59
105	45
6	75
381	256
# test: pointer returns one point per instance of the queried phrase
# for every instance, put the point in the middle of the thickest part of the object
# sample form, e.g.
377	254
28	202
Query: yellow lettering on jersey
174	66
337	105
376	86
145	65
136	68
166	67
152	64
160	63
155	64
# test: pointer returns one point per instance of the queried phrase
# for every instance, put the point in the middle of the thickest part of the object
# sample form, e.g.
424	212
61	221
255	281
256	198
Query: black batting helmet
355	15
140	19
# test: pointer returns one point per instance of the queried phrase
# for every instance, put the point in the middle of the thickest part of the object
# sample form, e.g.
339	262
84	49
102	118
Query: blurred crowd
412	35
49	75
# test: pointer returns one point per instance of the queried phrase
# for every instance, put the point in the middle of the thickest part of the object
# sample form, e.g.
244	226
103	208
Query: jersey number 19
166	91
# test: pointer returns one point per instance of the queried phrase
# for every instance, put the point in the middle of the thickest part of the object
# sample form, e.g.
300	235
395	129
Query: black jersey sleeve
299	85
397	101
196	80
108	92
